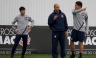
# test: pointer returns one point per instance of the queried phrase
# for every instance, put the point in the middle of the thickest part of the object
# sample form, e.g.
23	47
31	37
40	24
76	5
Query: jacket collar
59	11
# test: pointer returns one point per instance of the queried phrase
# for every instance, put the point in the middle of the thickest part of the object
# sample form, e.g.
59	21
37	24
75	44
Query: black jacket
60	24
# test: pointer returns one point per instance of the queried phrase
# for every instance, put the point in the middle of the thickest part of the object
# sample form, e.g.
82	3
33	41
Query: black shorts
77	36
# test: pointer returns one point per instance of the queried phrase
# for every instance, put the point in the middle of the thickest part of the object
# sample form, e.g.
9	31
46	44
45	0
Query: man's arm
32	22
13	23
74	11
86	21
66	25
51	21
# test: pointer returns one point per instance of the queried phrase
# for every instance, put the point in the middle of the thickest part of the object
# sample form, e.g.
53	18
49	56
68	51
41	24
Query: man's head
56	7
78	5
22	10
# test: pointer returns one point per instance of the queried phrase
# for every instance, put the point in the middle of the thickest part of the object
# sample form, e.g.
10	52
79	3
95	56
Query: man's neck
57	11
22	14
78	8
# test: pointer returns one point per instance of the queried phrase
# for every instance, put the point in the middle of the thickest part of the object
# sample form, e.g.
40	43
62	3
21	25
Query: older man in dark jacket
58	24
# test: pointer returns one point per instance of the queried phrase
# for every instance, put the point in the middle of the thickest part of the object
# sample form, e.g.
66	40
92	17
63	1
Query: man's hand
66	33
15	31
55	17
29	29
83	9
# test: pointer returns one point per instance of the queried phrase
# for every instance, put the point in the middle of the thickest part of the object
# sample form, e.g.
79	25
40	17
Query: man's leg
55	36
24	37
62	44
72	46
81	36
17	39
81	48
74	37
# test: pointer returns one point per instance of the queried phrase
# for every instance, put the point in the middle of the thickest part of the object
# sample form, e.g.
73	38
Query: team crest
62	16
82	14
25	18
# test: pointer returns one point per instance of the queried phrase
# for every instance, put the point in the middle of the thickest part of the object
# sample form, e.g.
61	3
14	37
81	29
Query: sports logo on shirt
62	16
25	18
82	14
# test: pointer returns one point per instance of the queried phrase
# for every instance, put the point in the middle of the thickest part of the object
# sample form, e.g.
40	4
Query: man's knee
16	43
80	43
72	43
24	44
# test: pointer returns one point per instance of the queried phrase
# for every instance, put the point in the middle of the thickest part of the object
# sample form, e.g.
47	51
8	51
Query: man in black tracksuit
58	24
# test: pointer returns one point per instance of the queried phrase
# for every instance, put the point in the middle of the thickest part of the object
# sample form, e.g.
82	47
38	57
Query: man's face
22	12
57	8
77	7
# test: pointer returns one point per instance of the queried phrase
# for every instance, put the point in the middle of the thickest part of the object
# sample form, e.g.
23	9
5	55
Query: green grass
43	56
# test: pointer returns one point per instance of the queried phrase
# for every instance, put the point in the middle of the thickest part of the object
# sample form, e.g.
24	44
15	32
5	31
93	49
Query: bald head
55	5
56	8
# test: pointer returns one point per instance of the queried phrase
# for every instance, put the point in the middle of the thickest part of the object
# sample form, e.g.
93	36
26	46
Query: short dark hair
54	5
79	3
21	8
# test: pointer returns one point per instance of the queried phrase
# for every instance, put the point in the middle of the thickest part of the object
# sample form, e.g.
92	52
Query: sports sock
73	53
80	54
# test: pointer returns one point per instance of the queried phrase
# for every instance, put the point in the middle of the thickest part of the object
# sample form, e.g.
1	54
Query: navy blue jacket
60	24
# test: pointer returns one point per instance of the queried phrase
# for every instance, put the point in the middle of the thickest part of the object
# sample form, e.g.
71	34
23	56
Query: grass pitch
43	56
